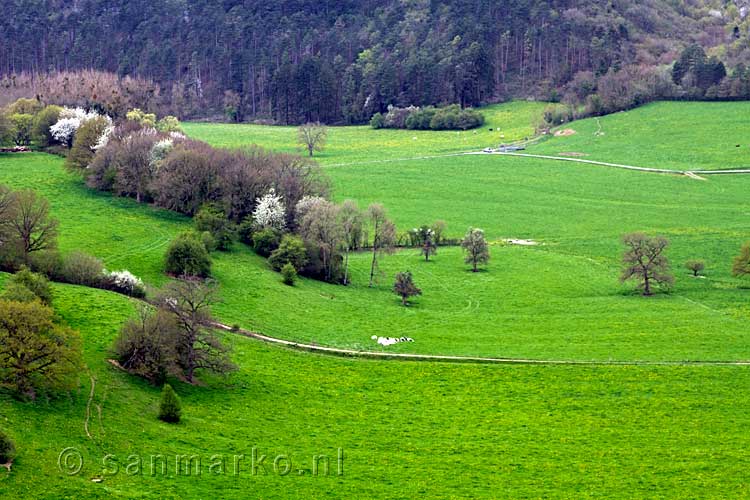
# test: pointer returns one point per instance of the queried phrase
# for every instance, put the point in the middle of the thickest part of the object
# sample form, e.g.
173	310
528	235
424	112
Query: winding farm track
352	353
689	173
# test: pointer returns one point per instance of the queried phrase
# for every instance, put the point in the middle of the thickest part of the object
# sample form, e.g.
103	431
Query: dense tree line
299	61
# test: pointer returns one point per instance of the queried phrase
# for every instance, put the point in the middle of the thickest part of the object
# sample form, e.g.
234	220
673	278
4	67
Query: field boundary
353	353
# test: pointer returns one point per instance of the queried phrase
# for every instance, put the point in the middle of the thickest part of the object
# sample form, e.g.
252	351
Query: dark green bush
187	256
170	408
7	448
377	121
291	251
266	241
35	283
288	274
213	220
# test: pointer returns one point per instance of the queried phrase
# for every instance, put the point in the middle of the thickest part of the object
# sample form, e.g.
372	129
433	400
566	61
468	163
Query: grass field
670	135
346	145
407	430
429	429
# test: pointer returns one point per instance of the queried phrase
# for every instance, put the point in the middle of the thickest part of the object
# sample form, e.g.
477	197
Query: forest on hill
342	61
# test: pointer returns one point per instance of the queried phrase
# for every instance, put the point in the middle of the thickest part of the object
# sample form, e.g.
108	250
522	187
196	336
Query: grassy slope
672	135
346	145
463	431
560	300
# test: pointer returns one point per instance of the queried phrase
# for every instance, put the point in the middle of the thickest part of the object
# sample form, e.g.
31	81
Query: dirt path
351	353
689	173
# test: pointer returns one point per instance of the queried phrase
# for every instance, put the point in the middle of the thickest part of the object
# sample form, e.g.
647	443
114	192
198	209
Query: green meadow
435	430
669	135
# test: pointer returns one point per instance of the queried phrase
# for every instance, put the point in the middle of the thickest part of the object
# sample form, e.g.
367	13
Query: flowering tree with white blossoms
104	138
69	122
270	213
159	151
305	204
125	281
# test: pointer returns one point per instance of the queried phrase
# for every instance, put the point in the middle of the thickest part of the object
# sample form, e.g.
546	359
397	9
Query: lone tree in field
476	248
405	287
695	267
741	264
312	136
170	408
383	235
425	236
644	260
197	345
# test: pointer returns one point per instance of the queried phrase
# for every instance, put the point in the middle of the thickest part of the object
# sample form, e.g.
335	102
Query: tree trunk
374	260
646	285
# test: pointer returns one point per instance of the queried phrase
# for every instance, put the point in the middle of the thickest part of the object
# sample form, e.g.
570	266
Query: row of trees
428	118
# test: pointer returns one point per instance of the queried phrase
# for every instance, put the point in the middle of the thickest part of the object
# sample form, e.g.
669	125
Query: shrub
43	121
208	241
46	262
86	138
288	274
213	220
170	408
187	256
35	283
7	448
266	241
82	269
695	266
25	106
21	124
377	121
245	230
168	124
16	292
291	251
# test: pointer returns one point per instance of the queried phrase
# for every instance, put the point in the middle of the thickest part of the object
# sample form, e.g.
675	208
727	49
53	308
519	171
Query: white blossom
70	121
305	204
125	280
270	212
159	151
104	138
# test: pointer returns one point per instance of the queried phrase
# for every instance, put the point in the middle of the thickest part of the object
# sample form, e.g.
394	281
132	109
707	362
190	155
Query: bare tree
644	260
405	287
350	218
31	222
476	248
197	345
321	228
313	136
383	235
